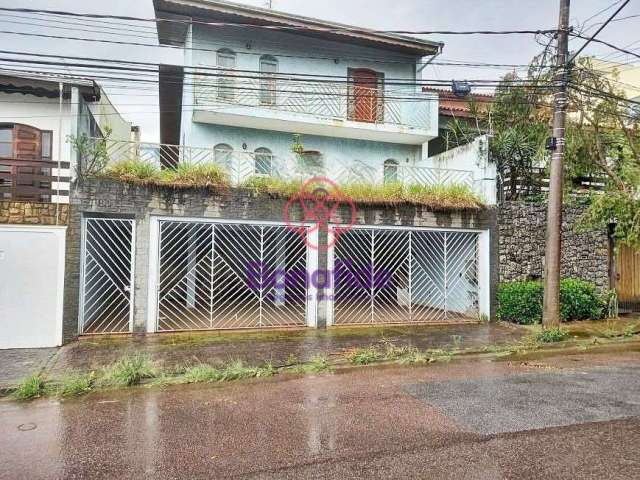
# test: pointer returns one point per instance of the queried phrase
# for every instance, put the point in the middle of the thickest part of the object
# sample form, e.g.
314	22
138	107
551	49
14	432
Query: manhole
27	427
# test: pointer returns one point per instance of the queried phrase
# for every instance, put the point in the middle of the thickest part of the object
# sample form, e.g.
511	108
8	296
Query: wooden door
364	102
628	275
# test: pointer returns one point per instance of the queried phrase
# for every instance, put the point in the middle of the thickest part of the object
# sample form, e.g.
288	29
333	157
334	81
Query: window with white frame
390	171
223	155
263	161
268	69
226	61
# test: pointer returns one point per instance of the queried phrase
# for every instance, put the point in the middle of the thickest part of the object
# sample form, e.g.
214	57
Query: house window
46	142
390	171
268	69
23	142
6	142
223	155
311	162
263	161
226	83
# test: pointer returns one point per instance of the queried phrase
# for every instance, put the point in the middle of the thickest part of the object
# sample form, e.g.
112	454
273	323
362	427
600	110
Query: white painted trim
228	221
329	300
61	233
484	273
152	279
406	227
312	291
132	280
83	263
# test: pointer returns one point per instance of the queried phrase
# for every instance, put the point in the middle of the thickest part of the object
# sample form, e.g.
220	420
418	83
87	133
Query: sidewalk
171	351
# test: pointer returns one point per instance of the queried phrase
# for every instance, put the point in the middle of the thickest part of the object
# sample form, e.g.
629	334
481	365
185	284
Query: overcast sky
140	106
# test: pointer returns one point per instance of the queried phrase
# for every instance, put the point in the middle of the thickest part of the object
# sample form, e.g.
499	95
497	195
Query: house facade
37	165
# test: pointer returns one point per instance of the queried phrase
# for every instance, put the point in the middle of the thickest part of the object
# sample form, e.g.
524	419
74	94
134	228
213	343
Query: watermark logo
323	204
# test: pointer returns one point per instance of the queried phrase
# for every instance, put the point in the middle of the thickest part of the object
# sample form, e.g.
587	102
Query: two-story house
267	95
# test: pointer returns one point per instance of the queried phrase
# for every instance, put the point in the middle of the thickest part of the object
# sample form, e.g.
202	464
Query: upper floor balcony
364	107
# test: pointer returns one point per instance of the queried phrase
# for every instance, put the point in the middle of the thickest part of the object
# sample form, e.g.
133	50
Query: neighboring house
37	164
626	77
467	110
39	115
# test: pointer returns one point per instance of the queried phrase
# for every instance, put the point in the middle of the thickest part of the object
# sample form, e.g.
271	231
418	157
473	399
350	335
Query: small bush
521	302
580	300
31	387
446	197
236	370
129	371
552	335
272	185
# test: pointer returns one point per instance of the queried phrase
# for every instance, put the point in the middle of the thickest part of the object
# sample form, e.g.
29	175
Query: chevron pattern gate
230	276
107	275
401	276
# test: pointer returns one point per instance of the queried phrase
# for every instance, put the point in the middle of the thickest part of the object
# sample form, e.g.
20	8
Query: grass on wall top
210	175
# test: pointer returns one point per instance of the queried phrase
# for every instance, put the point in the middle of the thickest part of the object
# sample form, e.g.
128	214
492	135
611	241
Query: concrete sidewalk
172	351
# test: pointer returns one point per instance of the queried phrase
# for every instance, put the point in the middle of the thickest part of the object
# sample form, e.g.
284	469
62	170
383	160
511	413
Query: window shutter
27	143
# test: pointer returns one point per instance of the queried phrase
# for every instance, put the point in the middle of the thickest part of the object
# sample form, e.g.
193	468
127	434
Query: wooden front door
628	277
365	96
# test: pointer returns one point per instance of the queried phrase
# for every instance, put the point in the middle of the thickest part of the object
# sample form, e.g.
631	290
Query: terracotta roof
453	106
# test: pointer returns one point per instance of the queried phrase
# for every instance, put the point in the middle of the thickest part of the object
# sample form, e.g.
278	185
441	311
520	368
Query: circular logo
321	202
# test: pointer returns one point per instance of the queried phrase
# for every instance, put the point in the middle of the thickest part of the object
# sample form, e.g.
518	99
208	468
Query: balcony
241	166
394	114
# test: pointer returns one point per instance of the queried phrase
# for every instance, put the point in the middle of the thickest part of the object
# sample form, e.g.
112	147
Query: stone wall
33	213
522	228
109	198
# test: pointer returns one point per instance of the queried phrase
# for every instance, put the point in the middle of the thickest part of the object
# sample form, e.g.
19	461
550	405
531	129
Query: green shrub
580	300
364	356
202	374
521	302
75	384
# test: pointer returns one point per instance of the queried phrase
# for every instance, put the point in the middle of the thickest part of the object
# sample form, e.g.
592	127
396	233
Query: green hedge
521	302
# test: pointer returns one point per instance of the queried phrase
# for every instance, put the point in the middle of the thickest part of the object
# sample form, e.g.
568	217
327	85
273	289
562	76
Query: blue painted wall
327	58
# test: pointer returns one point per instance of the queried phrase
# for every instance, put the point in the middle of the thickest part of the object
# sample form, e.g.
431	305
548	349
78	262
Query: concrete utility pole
551	315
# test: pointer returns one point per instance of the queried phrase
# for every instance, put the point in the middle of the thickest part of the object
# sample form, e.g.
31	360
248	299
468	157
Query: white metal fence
107	275
230	276
241	166
401	276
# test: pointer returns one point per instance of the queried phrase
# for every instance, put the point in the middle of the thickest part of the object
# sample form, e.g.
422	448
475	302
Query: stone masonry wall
522	245
114	199
32	213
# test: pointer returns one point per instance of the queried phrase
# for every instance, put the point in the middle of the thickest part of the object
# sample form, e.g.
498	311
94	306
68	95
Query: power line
279	27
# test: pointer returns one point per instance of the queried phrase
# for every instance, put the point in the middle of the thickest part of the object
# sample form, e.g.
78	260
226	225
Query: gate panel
107	279
401	276
230	276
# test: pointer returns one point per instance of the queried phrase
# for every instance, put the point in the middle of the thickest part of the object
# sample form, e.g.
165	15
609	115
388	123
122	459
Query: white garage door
31	286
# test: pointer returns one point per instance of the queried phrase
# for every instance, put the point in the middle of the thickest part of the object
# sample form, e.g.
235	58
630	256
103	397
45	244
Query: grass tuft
201	374
364	356
129	371
189	175
76	384
318	364
34	386
552	335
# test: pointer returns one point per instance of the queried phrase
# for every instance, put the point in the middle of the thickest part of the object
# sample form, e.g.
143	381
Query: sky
141	106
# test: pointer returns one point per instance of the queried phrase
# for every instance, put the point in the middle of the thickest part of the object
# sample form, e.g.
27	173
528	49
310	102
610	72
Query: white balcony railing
240	166
391	105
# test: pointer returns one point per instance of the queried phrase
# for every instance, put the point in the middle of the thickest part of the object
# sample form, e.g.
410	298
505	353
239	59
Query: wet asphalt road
565	417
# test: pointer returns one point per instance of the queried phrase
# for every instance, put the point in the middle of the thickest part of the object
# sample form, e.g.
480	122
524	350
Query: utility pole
551	315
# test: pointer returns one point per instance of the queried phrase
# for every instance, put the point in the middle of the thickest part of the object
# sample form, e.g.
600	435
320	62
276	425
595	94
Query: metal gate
401	276
230	276
107	275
